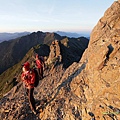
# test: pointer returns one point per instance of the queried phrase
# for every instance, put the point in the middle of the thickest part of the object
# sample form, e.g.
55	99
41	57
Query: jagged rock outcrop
67	51
55	52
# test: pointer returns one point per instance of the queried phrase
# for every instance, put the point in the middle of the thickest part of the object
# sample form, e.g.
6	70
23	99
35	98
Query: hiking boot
41	110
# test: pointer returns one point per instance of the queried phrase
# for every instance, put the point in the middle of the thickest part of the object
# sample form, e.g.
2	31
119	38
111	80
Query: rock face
102	71
88	90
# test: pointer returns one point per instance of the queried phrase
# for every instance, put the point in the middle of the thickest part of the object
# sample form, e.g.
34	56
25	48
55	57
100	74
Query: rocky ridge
15	103
88	90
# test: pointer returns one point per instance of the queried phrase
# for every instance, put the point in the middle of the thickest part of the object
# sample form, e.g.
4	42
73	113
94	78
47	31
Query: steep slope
101	74
103	68
75	49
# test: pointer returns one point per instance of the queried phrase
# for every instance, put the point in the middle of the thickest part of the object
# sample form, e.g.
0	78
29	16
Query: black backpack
36	78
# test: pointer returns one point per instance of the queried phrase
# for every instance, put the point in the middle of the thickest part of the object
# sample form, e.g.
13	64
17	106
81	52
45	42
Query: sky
51	15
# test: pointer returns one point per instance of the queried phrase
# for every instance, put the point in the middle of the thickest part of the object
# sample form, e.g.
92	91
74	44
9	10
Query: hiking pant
31	98
40	72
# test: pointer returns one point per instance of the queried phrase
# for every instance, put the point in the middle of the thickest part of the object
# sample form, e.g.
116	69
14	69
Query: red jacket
28	78
39	63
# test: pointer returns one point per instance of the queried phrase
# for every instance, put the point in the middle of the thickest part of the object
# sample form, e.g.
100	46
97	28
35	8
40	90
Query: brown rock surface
55	52
103	68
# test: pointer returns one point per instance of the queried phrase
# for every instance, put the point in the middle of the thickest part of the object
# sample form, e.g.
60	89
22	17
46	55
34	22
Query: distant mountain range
8	36
5	36
12	51
75	35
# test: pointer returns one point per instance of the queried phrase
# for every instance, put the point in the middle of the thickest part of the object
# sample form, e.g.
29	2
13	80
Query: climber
28	78
39	65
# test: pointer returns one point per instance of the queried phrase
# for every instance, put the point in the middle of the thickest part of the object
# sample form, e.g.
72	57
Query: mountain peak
73	34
